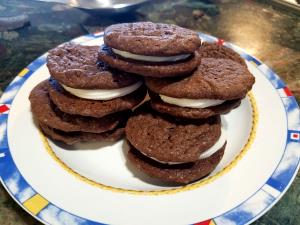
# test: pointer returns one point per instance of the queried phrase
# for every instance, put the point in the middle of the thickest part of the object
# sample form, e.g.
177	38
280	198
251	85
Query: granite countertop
267	31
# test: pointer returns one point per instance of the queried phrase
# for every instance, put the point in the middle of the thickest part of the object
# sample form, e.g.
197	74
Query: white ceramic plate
94	184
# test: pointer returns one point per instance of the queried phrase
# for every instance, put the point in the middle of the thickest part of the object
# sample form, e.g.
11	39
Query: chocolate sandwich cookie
150	49
191	113
78	73
147	38
170	140
214	50
179	173
71	104
71	138
48	114
77	66
217	86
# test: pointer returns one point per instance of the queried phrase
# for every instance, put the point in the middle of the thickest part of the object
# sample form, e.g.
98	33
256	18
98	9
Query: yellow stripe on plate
212	223
35	204
253	63
23	72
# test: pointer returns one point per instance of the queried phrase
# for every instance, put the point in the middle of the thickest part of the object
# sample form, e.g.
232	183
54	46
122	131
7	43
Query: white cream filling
209	152
217	146
191	103
148	58
102	94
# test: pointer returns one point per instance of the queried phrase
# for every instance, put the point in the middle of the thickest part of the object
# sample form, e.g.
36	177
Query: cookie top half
217	51
77	66
221	79
168	139
151	39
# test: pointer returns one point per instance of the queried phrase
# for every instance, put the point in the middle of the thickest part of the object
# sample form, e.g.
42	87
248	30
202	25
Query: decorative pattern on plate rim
263	199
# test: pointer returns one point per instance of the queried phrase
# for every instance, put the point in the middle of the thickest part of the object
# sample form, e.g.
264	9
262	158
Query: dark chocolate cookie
71	138
47	113
169	69
221	79
169	139
181	173
73	105
76	66
192	113
155	39
213	50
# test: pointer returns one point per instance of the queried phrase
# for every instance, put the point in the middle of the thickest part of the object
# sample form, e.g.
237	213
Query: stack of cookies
85	99
177	136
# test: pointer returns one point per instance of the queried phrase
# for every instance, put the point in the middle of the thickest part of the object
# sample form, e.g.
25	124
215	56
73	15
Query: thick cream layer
191	103
217	146
209	152
102	94
148	58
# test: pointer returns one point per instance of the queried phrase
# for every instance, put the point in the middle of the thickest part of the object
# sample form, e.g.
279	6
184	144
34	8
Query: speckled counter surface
271	34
